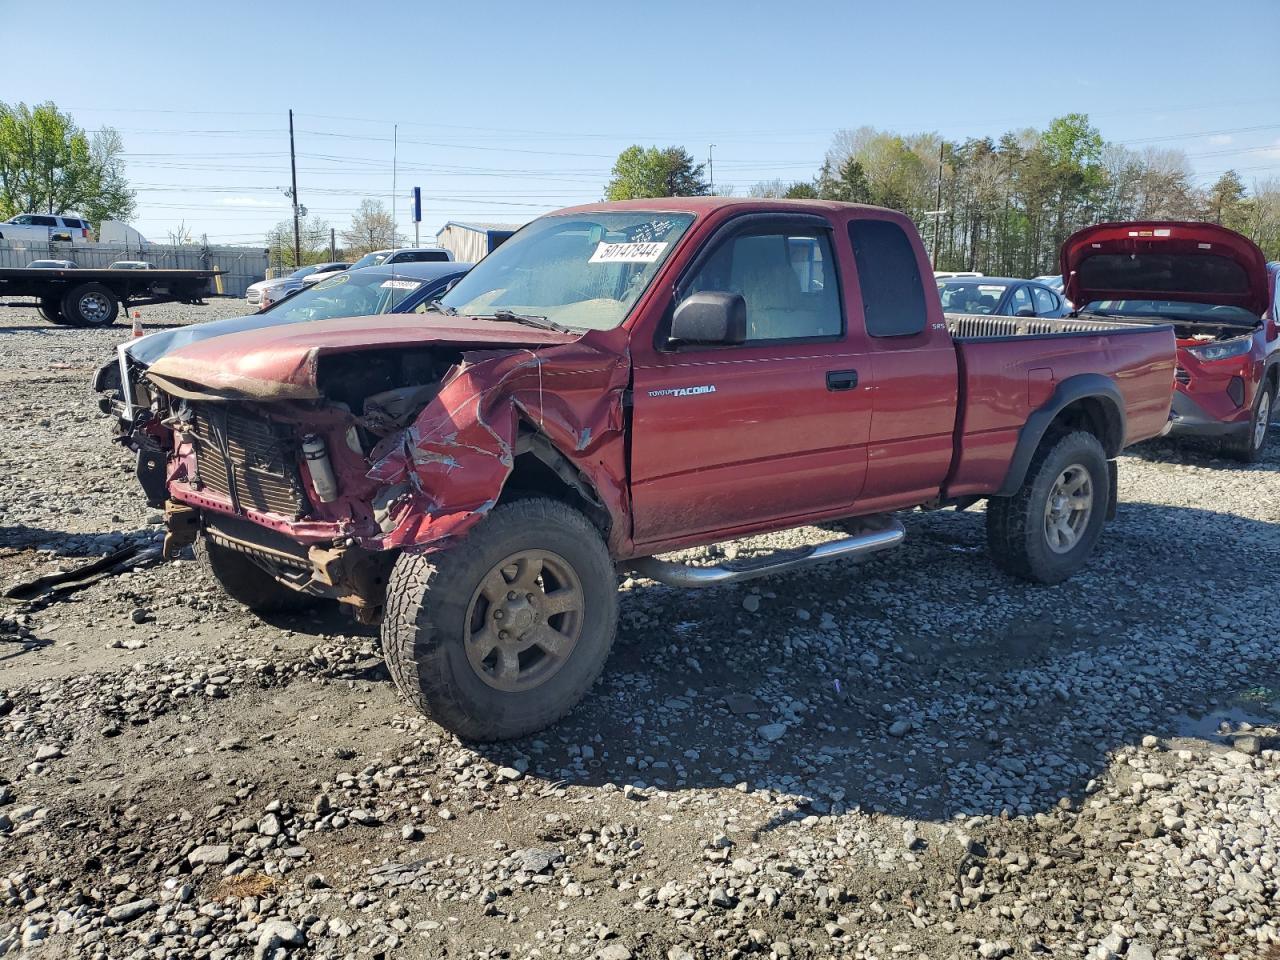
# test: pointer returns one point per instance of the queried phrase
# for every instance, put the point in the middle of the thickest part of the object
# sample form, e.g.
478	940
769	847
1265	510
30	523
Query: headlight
1223	350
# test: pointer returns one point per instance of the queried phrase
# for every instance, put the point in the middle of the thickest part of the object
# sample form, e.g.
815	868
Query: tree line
49	164
999	205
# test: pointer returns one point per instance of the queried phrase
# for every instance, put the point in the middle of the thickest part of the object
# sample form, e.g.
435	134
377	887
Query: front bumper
1189	419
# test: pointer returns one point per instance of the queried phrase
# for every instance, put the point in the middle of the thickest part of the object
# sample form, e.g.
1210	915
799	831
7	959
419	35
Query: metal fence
240	266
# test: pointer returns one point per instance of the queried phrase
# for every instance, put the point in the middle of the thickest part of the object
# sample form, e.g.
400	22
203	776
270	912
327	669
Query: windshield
346	295
1173	310
970	297
370	260
584	271
304	272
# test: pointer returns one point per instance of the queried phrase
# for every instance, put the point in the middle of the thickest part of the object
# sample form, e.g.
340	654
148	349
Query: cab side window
787	278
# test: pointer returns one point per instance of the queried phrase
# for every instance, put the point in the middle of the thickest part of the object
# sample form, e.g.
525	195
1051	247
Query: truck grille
244	459
253	296
1181	375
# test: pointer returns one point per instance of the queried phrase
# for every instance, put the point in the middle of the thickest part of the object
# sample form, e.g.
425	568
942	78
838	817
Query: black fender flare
1082	386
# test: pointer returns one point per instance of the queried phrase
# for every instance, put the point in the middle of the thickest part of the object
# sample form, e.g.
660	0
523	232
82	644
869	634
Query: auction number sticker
400	284
628	252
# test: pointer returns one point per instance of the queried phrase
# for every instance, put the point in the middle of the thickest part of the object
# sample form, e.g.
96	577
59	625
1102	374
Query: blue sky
507	110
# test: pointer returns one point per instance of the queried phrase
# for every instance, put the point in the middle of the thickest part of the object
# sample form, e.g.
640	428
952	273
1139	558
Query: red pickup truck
1218	291
615	382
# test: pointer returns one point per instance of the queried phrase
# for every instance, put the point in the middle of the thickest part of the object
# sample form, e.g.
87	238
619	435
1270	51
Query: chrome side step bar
882	536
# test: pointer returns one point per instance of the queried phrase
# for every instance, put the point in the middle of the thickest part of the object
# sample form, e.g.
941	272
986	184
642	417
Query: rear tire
246	582
1046	531
1249	447
51	309
90	305
502	634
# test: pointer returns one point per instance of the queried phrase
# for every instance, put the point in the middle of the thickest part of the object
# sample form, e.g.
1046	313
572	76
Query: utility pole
293	169
395	143
937	223
711	167
333	247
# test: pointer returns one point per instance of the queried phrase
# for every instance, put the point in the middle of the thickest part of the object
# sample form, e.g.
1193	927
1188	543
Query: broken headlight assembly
1223	349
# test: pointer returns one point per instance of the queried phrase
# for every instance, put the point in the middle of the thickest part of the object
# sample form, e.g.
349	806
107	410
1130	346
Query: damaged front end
322	463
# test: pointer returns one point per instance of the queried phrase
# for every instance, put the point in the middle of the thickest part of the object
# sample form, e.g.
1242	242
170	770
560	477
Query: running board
881	537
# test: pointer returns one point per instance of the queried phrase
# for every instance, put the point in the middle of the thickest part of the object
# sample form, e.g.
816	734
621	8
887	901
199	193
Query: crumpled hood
1165	260
280	363
148	349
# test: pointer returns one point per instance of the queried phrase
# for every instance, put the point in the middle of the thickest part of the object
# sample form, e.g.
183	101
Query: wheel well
1096	415
541	470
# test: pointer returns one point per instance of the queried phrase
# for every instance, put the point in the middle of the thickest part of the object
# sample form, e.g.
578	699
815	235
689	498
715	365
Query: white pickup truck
46	228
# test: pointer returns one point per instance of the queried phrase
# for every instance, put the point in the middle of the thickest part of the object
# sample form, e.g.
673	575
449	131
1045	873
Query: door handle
842	379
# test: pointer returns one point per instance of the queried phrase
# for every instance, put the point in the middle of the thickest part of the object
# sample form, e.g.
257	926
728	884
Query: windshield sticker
333	282
400	284
627	252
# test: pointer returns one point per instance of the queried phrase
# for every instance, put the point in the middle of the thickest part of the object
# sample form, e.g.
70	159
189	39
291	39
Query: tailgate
1005	378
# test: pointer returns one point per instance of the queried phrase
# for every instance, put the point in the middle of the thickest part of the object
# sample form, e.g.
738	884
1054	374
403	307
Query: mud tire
428	606
1016	535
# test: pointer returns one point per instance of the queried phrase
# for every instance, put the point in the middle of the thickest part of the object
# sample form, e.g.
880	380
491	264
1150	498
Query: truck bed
129	285
1010	367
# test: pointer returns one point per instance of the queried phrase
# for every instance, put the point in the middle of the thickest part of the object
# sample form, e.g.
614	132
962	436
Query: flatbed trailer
92	298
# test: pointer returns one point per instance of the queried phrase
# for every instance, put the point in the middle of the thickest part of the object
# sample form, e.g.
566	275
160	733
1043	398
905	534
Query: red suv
1220	294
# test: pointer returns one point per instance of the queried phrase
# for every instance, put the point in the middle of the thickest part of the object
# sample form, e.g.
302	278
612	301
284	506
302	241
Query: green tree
371	229
313	233
849	183
48	164
801	190
649	172
1228	200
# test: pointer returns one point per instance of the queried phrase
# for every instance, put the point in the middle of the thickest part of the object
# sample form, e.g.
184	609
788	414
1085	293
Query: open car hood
1165	260
280	362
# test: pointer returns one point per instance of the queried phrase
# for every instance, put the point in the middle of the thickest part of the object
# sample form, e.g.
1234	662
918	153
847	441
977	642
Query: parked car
52	265
46	228
266	292
131	265
370	293
326	271
948	274
403	255
1218	291
618	381
1001	297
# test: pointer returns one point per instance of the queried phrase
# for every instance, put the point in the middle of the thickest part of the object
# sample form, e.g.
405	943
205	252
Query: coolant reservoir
321	470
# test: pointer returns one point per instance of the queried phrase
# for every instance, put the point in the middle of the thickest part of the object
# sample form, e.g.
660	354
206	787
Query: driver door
734	437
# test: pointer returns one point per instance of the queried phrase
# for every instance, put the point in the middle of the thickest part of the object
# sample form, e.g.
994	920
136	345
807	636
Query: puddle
1256	706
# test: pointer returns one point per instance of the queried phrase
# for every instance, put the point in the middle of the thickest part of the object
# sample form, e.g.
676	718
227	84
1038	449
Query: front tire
90	305
245	581
1250	446
1046	531
502	634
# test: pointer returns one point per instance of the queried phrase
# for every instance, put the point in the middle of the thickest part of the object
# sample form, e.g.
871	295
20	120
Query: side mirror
1025	312
710	317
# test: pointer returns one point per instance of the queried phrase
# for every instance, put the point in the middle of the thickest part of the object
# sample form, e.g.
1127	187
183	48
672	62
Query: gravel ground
917	757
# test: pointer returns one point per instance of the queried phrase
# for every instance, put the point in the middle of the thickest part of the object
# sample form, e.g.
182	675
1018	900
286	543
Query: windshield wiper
528	320
438	307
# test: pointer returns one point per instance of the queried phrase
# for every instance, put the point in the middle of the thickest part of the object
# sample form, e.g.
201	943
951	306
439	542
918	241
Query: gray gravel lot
917	757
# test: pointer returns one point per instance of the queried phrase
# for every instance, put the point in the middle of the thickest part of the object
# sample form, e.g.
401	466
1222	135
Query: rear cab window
889	279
